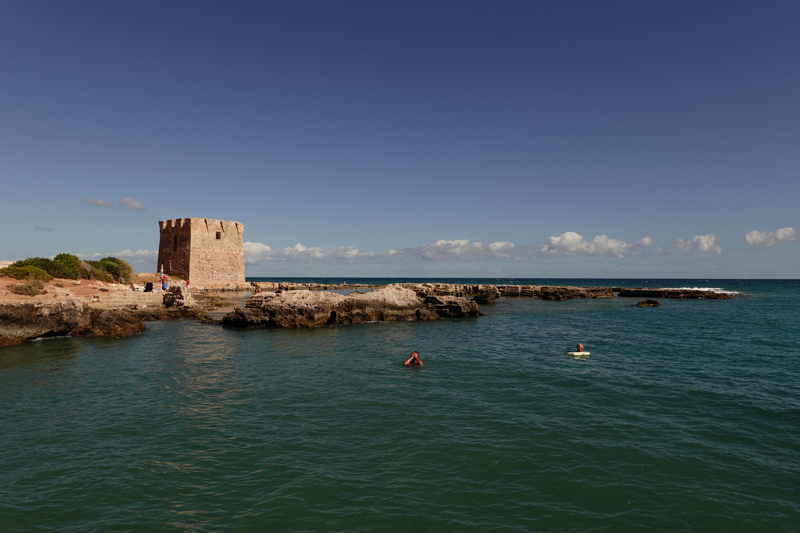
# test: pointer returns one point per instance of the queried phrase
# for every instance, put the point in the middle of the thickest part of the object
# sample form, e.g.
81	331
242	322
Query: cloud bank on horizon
568	243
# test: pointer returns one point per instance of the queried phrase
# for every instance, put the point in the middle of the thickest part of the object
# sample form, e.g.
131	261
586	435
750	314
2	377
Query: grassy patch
30	288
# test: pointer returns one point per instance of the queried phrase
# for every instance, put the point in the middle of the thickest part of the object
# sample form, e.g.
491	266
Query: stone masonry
207	252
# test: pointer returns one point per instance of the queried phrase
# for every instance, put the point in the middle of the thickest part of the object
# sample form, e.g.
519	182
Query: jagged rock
648	303
311	308
453	306
426	313
682	294
392	302
487	294
108	323
509	291
243	318
29	320
178	295
289	309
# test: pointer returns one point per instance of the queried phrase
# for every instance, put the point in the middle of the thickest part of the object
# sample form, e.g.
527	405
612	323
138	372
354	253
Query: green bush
25	272
40	262
67	266
31	288
111	269
125	269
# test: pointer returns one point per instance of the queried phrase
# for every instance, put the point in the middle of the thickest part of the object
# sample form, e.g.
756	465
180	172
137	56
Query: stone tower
207	252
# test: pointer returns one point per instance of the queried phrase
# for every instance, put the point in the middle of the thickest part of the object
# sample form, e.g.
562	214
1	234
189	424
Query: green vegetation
25	272
69	266
109	269
29	288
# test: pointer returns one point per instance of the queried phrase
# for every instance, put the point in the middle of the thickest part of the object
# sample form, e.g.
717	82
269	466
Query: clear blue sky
527	139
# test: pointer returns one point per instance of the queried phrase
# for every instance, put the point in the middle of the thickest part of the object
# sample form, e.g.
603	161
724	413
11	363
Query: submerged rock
648	303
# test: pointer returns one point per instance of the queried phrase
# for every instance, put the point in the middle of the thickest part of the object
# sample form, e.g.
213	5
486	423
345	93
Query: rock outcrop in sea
21	321
297	309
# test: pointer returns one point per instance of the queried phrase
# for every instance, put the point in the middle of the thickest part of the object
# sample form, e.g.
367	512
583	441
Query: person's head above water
413	360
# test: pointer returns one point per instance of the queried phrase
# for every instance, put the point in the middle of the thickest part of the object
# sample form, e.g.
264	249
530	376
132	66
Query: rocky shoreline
304	308
121	315
120	312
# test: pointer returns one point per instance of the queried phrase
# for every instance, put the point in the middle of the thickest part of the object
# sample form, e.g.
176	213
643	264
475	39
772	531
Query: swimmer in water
413	360
580	347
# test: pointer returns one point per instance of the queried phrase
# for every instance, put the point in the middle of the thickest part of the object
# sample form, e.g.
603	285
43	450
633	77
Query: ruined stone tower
207	252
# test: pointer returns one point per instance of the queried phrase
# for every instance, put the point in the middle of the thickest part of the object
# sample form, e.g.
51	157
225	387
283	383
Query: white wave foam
709	289
39	339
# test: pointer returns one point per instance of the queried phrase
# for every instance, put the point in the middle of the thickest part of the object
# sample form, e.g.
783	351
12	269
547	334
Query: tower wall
205	251
174	247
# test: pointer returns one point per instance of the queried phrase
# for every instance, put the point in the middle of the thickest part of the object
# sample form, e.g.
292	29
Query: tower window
219	235
175	244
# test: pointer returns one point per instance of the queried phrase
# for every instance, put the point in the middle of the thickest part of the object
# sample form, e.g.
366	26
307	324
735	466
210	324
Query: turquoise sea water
685	418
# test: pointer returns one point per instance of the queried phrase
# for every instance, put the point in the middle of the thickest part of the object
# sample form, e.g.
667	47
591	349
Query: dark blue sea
686	417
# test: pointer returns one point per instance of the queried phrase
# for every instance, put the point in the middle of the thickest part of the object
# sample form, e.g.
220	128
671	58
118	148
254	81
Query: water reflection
49	353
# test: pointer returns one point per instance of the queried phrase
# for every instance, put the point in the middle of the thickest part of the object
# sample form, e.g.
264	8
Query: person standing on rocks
413	360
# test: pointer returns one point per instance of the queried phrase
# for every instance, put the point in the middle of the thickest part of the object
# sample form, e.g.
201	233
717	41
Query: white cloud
256	252
99	202
138	253
130	203
764	238
501	249
441	250
444	249
447	250
574	243
699	243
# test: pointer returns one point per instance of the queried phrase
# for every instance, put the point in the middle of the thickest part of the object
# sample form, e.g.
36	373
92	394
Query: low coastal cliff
30	320
120	314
